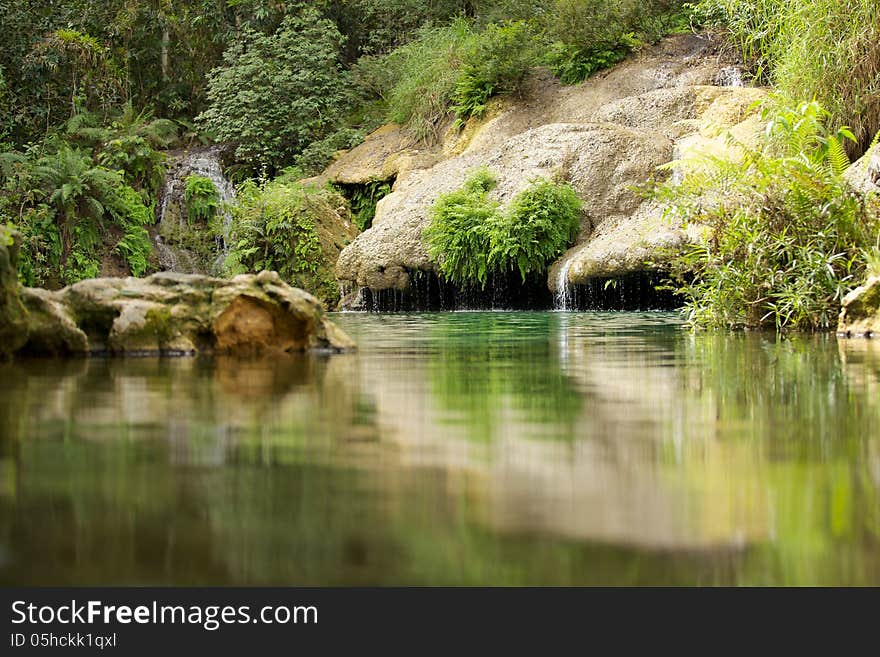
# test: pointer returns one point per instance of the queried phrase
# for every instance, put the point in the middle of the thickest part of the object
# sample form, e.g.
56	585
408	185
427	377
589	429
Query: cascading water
730	76
564	299
172	216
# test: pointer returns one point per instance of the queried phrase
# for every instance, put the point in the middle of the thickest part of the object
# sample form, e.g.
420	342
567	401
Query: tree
276	94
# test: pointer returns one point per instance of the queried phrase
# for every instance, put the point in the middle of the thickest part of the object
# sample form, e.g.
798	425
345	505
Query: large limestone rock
860	314
172	313
602	161
13	316
383	155
607	137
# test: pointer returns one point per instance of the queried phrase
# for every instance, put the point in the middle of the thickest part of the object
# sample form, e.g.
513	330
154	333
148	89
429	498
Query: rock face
180	246
172	313
606	137
860	315
864	175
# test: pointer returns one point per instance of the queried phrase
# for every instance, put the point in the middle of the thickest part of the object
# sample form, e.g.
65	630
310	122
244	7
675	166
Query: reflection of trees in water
481	370
684	458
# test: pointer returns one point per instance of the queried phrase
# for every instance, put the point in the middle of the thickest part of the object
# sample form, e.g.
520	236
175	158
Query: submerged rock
860	314
171	313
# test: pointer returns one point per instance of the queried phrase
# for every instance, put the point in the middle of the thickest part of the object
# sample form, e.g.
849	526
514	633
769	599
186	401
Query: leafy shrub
823	49
201	198
275	227
470	238
588	35
142	166
458	237
278	93
573	64
132	215
498	63
786	235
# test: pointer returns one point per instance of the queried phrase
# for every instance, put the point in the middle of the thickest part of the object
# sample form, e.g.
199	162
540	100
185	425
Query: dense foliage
456	68
278	93
470	238
276	226
66	206
786	236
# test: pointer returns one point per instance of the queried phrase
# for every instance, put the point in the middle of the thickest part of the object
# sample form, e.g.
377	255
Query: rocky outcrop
607	137
860	312
602	161
383	155
176	314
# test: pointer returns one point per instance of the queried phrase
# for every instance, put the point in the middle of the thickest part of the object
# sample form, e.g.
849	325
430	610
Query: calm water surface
467	448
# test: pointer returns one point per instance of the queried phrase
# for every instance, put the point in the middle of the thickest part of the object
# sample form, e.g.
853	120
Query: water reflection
467	448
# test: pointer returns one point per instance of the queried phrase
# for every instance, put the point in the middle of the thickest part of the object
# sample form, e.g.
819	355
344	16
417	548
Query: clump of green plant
498	63
275	227
132	215
827	49
201	198
786	235
458	237
539	225
470	238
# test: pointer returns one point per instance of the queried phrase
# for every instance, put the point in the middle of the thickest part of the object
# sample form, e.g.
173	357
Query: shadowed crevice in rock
428	292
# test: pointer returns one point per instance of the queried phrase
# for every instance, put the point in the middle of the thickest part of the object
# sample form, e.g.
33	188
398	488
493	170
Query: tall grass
828	50
455	69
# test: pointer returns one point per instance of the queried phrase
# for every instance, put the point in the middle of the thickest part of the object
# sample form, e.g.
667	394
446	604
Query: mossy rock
13	315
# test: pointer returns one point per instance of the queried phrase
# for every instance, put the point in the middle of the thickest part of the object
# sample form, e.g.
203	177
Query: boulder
864	175
860	312
383	155
171	313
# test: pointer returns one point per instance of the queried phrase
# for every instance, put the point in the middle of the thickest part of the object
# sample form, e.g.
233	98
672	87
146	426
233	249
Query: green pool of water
452	449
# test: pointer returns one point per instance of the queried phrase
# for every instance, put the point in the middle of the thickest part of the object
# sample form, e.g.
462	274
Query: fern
469	238
202	199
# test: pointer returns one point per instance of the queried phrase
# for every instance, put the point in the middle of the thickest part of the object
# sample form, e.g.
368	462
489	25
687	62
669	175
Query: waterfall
730	76
172	216
564	299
